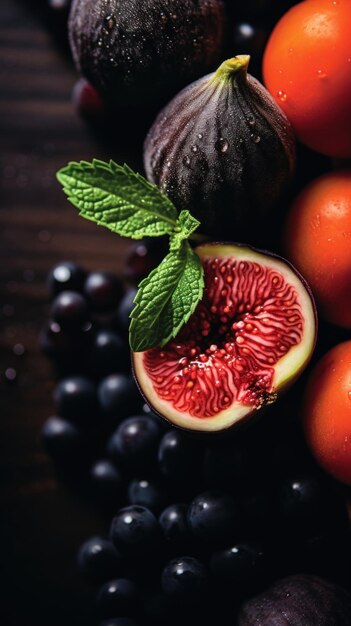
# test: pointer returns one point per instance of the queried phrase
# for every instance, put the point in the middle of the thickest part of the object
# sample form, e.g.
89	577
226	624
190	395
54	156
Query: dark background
43	522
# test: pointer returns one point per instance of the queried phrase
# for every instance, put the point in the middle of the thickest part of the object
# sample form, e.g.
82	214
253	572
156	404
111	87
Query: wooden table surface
42	522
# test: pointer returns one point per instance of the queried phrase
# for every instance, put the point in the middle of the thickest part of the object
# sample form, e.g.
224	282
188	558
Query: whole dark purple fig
142	51
222	149
298	601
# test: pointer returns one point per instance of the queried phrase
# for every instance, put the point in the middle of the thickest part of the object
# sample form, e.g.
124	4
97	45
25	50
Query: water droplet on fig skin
186	161
255	138
222	145
194	149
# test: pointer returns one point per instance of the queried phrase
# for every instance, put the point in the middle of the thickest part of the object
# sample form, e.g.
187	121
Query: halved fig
250	336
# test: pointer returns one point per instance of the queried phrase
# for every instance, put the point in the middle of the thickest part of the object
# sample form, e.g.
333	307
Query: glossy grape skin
134	530
118	396
125	308
241	565
146	493
308	505
75	399
99	560
61	438
134	443
183	577
68	350
180	458
69	309
143	257
119	621
103	291
117	596
174	525
110	353
107	482
87	102
213	516
64	276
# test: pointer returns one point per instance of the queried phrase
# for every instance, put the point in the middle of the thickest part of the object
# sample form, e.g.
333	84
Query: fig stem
231	67
199	238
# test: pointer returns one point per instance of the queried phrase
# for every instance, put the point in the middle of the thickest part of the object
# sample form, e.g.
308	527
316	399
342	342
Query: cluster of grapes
198	523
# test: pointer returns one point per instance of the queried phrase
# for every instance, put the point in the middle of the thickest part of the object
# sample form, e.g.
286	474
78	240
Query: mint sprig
116	197
122	200
166	299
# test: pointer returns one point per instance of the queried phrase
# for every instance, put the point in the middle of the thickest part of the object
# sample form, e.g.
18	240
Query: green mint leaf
187	224
117	197
166	299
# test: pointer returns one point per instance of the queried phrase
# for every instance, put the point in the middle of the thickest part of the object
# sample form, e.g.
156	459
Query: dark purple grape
119	621
308	505
118	596
106	481
61	439
174	525
59	5
99	560
134	443
125	308
64	347
110	353
70	309
184	577
214	516
241	565
87	101
252	40
103	291
161	423
118	396
260	512
180	457
66	276
75	399
134	530
146	493
143	257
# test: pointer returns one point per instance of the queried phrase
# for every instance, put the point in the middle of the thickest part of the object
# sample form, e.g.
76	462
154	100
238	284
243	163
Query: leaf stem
199	238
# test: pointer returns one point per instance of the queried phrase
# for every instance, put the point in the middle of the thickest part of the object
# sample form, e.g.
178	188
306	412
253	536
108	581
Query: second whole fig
141	52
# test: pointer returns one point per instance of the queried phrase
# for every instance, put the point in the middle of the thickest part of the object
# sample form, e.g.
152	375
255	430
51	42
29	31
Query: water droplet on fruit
349	395
186	161
251	120
109	22
200	136
281	95
194	148
255	138
222	145
321	74
168	164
